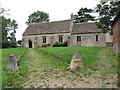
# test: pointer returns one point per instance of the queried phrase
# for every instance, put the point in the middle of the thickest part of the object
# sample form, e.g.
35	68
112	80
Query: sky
57	9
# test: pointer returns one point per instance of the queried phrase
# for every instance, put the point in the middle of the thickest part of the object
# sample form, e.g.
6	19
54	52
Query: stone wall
109	38
88	40
116	36
38	39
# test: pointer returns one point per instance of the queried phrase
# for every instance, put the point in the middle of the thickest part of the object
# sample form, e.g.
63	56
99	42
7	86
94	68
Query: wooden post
76	61
12	63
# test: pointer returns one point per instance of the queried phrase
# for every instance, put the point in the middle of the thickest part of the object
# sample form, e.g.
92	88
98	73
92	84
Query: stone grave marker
12	63
76	61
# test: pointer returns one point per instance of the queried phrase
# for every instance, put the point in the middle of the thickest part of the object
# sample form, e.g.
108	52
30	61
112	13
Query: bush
45	45
7	44
65	44
13	44
60	44
57	44
37	46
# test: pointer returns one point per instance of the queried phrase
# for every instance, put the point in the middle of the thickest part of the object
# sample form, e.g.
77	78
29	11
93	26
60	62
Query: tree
5	22
2	11
13	26
5	42
38	16
107	13
83	15
8	32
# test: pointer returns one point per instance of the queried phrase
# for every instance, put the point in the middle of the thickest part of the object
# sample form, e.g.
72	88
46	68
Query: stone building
76	34
116	33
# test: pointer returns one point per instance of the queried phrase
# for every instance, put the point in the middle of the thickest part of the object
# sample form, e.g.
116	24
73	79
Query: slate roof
64	26
49	28
85	28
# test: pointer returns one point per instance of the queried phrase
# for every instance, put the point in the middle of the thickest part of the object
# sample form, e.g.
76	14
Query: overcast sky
57	9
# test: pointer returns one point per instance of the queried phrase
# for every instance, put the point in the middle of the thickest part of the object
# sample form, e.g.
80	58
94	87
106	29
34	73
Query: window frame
96	38
79	38
44	39
60	38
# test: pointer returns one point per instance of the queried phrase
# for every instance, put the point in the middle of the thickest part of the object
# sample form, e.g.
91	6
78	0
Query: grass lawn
100	62
37	69
8	76
89	54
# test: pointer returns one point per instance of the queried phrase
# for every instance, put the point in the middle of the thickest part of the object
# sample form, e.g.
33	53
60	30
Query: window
44	39
96	37
78	38
61	38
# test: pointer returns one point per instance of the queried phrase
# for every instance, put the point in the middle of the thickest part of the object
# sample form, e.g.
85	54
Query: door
30	44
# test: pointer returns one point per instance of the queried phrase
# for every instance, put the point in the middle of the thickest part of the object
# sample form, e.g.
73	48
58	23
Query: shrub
57	44
60	44
5	44
65	44
45	45
13	44
37	46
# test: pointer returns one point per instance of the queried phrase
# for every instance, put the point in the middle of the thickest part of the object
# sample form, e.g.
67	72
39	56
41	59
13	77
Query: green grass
7	76
39	67
102	59
0	69
89	54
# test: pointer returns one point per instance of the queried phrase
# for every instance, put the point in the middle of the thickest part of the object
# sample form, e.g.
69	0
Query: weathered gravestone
12	63
76	61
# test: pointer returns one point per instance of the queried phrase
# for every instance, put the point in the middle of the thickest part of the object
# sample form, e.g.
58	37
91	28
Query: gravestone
76	61
12	63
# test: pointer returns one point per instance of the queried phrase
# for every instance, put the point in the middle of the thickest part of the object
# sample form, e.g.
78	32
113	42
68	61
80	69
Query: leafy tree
3	31
5	23
107	12
8	32
38	16
13	26
83	15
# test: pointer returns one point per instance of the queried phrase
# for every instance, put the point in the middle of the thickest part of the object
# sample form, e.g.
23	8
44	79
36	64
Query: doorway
30	44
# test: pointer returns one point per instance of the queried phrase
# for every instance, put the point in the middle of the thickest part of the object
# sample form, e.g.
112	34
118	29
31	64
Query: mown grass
89	54
9	77
103	61
0	69
39	67
107	61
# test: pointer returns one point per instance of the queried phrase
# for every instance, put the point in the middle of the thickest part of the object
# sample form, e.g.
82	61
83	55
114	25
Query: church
76	34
